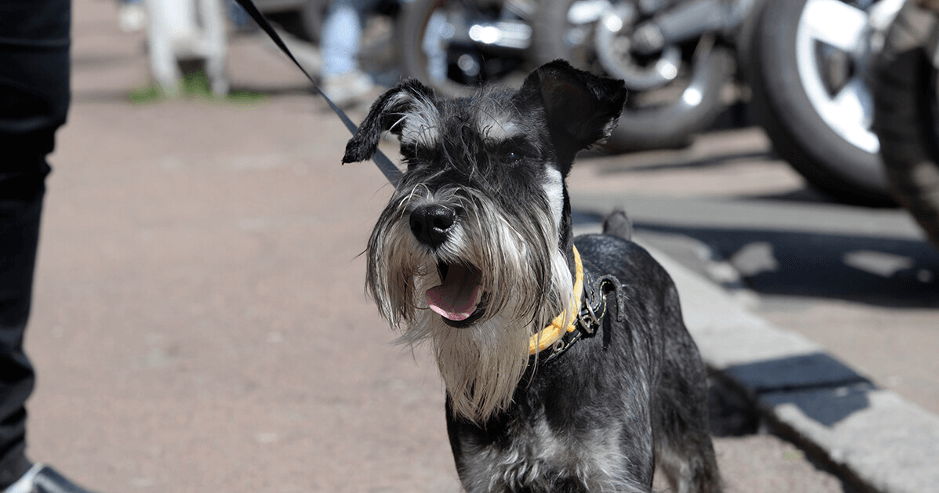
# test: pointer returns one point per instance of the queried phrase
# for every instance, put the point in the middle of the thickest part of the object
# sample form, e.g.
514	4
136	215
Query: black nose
431	223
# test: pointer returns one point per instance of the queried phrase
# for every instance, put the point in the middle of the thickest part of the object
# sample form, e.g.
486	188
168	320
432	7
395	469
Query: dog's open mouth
457	298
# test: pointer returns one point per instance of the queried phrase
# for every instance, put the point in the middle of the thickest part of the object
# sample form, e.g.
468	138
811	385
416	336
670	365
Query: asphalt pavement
200	323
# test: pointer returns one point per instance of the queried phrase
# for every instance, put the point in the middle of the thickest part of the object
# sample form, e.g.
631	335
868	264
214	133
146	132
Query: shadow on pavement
875	270
675	161
809	382
823	388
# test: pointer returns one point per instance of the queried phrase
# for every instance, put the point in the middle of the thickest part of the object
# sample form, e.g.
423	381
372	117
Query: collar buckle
589	321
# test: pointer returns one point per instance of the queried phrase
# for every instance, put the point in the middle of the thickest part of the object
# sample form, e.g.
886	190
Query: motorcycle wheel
810	94
657	116
906	102
430	49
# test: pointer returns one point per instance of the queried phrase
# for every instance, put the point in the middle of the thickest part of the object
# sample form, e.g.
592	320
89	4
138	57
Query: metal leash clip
588	319
594	306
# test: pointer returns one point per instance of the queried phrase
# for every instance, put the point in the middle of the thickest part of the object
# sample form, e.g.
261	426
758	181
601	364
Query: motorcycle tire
412	25
668	125
848	170
906	109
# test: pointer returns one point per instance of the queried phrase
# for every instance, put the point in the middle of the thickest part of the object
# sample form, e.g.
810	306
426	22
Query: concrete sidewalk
873	437
199	321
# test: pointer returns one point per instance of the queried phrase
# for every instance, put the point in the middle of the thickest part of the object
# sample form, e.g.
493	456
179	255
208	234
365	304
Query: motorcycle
805	63
808	73
676	58
455	45
905	79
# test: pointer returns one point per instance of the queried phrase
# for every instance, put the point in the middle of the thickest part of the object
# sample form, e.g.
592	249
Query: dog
566	363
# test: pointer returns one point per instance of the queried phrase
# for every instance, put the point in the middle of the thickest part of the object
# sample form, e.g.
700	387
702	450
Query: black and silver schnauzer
566	363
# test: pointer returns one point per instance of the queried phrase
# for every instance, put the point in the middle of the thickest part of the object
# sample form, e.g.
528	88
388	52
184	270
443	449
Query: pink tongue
456	298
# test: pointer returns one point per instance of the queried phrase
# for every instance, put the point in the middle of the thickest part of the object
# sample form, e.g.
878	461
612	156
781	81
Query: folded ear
582	108
407	109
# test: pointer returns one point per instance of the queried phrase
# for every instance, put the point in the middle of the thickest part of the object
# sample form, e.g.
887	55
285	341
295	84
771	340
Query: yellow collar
559	326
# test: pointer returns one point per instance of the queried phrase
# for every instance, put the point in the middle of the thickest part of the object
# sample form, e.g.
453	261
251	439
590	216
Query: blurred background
199	319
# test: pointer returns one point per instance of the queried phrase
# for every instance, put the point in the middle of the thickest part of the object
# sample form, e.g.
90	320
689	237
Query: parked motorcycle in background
809	74
455	45
905	80
806	63
676	58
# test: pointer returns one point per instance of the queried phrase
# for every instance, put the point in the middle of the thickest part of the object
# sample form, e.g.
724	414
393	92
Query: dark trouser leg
34	97
19	234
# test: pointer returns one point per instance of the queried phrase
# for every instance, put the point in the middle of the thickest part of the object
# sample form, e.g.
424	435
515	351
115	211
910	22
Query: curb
872	437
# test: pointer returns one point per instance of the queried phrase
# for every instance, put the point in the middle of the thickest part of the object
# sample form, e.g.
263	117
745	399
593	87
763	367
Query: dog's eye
515	150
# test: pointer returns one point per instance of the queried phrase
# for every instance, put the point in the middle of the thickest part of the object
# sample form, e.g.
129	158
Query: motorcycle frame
691	20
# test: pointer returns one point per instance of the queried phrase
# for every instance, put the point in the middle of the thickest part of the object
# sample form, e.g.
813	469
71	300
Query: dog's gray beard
525	277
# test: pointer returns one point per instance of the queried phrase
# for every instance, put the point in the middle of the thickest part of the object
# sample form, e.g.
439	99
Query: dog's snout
431	223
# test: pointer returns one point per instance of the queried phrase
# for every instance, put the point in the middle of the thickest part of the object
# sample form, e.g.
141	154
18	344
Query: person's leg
132	15
19	236
34	97
341	38
342	80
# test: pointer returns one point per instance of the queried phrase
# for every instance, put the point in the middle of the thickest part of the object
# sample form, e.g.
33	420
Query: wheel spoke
851	113
835	23
854	103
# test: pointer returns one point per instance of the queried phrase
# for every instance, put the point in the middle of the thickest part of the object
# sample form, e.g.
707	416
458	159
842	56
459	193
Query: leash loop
590	316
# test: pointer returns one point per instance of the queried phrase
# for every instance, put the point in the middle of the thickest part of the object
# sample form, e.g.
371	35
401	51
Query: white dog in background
187	32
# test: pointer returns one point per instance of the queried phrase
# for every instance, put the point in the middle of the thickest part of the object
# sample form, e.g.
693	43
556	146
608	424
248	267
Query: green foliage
194	86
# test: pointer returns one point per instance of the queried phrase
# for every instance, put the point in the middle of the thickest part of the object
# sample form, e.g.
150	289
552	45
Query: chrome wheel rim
833	51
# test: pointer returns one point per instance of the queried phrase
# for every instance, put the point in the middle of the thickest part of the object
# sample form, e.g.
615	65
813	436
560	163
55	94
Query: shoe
133	17
347	89
44	479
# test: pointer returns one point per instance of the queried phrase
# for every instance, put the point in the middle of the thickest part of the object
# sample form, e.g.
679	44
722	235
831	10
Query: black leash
391	172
